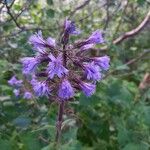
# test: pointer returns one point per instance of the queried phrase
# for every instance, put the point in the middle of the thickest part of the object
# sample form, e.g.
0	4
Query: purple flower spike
16	92
103	62
92	71
96	38
88	88
14	82
37	40
29	64
65	90
41	89
27	95
70	27
56	67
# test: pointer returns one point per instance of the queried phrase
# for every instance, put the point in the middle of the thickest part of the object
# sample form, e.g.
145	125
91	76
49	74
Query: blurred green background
117	117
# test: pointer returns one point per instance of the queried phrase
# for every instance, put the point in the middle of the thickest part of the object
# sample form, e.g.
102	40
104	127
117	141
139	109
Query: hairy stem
59	122
64	56
61	105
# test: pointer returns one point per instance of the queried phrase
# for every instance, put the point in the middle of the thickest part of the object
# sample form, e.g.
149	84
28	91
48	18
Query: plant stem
64	55
59	122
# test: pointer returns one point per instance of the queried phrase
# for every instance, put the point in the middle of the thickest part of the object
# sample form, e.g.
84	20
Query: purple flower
51	42
37	40
87	46
103	62
92	71
33	81
40	88
95	38
56	67
29	64
88	88
70	27
27	95
14	82
65	90
16	92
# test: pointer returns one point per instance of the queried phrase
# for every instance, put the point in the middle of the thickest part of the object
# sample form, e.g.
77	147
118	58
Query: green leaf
5	145
50	13
50	2
123	136
22	122
31	141
136	146
122	67
140	2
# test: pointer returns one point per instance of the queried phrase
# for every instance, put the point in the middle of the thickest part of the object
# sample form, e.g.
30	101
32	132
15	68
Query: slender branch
145	81
11	15
134	31
12	3
129	34
107	15
96	9
146	52
86	2
120	21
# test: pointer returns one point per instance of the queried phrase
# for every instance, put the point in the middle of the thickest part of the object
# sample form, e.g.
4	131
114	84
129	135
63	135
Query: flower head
96	38
41	89
37	40
29	64
62	60
55	67
65	90
103	62
16	92
27	95
92	71
70	27
14	82
88	88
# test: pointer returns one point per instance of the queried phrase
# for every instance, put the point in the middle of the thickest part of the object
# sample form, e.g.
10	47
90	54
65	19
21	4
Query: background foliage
117	116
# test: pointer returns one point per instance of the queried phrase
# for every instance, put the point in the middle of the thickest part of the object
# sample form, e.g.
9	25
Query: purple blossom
27	95
87	46
92	71
16	92
88	88
14	82
33	81
51	42
37	40
40	50
70	27
103	62
29	64
40	88
65	90
56	67
95	38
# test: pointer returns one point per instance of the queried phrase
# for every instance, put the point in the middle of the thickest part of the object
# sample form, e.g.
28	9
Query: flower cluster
19	88
62	69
